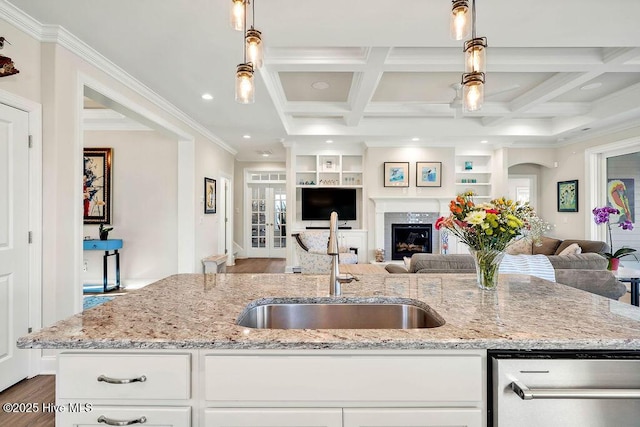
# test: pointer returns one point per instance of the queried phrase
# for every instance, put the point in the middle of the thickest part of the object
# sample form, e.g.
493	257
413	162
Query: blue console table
110	248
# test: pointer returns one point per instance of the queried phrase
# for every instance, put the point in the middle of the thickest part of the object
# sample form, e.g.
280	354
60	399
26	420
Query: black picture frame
396	174
96	185
428	174
568	196
209	196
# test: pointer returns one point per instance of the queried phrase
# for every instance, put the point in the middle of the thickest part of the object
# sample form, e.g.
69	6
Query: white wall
51	75
144	200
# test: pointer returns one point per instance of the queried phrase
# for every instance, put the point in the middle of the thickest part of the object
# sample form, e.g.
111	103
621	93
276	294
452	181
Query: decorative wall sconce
7	68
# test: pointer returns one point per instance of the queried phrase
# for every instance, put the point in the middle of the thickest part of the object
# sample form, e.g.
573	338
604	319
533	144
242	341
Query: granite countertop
198	311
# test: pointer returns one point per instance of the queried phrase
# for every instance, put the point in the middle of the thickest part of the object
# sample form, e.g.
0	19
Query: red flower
439	222
492	211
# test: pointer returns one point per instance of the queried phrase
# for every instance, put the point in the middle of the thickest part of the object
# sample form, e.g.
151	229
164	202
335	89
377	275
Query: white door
267	229
14	249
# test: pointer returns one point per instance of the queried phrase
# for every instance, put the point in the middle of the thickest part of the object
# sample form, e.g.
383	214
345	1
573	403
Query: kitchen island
175	353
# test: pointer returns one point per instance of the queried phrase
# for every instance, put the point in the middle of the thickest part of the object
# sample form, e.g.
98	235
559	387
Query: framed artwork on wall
568	196
396	174
621	195
209	196
96	186
428	174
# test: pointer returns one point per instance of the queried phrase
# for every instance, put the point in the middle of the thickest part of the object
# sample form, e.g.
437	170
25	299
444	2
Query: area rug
90	302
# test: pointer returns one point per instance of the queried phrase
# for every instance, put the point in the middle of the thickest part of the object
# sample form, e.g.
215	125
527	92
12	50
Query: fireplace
409	239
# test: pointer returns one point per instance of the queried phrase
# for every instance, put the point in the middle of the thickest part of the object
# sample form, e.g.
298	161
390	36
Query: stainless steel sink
339	313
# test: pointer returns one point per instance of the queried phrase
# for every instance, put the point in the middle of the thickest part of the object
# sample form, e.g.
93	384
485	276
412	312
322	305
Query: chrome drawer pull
526	393
110	422
140	379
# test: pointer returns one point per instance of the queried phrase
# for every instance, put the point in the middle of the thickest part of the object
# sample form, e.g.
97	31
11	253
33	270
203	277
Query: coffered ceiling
380	72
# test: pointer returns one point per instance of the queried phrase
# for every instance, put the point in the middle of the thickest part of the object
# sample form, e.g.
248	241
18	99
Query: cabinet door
147	416
292	417
426	417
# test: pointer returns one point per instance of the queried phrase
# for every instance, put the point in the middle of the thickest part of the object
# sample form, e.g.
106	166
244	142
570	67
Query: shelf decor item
428	174
487	229
568	196
96	186
468	165
396	174
209	196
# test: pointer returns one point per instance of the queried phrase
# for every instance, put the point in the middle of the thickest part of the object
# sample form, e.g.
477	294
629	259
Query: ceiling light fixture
475	65
207	96
415	139
460	21
253	41
245	88
238	11
329	141
484	141
246	136
320	85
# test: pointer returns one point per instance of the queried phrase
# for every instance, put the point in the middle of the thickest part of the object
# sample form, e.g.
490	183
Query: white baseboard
48	365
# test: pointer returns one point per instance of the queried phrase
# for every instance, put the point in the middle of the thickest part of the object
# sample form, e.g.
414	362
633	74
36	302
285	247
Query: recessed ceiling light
246	136
484	141
320	85
415	139
207	96
591	86
329	141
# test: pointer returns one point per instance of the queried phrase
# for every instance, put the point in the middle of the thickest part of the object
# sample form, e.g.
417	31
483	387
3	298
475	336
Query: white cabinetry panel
286	417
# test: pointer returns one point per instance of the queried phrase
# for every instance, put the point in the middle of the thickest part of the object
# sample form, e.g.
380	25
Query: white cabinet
355	239
272	388
329	170
101	416
473	173
264	417
123	388
412	417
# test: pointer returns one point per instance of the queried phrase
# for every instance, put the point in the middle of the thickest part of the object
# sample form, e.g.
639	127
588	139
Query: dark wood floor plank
38	390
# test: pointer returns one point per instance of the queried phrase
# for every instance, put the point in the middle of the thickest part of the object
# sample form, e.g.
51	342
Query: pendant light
475	66
460	23
245	88
238	12
253	42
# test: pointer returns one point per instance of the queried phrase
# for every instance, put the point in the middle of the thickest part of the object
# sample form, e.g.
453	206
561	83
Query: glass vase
487	263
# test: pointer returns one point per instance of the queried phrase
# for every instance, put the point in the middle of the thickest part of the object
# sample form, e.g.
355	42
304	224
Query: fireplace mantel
404	204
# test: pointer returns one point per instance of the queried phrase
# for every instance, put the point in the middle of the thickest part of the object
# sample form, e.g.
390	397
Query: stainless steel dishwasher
564	388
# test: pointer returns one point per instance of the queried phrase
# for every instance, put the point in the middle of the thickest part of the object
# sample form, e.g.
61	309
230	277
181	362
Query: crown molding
61	36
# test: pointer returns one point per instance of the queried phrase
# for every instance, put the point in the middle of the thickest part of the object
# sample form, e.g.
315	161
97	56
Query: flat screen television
318	203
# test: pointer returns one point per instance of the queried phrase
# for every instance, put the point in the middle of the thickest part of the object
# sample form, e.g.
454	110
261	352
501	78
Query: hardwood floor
258	265
39	390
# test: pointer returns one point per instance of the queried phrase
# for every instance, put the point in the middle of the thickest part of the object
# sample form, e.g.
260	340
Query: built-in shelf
477	167
329	170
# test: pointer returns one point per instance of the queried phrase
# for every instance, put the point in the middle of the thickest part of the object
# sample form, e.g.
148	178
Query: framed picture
428	174
621	195
468	165
568	196
396	174
96	186
209	196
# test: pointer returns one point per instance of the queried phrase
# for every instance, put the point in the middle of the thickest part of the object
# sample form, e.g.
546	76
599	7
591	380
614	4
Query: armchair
311	249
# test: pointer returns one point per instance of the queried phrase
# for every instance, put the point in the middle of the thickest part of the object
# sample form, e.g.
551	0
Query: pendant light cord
473	19
244	35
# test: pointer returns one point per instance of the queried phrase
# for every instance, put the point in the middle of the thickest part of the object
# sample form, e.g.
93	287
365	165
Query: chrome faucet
335	279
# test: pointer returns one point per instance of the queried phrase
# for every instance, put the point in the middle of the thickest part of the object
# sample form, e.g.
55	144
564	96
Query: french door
267	208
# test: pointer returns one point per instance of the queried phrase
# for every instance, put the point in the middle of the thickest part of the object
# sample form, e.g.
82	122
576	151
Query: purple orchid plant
601	216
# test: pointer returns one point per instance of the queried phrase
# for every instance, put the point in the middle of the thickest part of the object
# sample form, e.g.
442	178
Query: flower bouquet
488	228
601	216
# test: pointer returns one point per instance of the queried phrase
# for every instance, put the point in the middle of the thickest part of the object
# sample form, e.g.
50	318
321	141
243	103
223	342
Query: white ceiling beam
365	84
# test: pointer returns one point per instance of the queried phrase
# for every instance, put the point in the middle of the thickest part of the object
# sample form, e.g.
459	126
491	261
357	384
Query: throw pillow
407	262
572	249
520	247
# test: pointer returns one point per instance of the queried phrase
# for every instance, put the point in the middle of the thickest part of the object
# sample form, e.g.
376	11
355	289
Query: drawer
126	415
337	378
267	417
166	376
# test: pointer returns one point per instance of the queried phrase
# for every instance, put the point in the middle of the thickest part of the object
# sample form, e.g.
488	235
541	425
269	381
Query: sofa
582	268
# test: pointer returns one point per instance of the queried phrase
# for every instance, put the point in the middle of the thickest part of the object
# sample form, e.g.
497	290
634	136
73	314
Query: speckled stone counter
196	311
